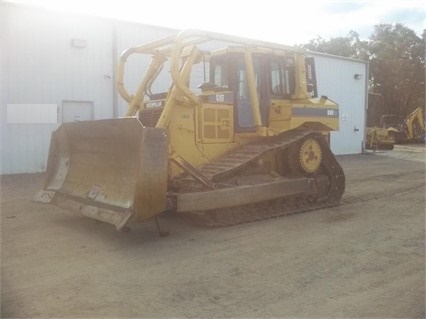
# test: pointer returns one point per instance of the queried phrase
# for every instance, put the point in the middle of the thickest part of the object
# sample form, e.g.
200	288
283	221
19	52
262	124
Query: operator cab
274	79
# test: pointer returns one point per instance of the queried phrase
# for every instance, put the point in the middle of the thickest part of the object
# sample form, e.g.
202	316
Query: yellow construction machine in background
405	130
395	129
378	138
247	144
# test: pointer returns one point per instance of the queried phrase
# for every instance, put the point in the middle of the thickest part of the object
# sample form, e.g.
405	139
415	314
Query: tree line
396	57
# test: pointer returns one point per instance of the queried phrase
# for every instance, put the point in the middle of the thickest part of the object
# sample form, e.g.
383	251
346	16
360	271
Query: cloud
289	22
342	7
411	17
362	16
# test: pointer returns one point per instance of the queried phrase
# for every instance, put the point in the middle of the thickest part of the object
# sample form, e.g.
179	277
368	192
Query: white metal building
345	82
58	67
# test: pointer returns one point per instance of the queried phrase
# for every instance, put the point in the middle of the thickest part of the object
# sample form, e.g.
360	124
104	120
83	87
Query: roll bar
172	47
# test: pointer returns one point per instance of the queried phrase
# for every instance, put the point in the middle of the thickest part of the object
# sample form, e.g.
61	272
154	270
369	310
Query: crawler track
231	163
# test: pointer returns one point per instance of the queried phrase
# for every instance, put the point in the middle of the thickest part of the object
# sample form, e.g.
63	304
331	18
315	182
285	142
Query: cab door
244	114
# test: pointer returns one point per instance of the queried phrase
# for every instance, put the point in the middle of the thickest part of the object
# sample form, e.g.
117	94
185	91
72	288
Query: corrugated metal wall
40	66
336	79
52	58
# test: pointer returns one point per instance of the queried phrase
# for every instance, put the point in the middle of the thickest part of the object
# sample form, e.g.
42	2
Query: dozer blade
110	170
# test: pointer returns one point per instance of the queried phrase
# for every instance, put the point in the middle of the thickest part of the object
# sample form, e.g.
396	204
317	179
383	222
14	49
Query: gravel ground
365	258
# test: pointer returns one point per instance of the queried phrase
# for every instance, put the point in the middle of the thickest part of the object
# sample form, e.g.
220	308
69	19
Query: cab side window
283	77
289	76
276	78
221	77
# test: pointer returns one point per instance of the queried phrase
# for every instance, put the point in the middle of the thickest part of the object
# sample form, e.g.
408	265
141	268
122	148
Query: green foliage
349	46
397	63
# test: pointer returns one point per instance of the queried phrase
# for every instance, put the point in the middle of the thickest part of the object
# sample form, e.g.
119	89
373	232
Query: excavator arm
415	124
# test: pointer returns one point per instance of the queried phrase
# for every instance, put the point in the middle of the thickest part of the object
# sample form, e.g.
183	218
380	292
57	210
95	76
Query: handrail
149	48
172	47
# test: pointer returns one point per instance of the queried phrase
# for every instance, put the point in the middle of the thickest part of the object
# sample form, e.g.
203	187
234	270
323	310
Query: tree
397	71
350	46
397	63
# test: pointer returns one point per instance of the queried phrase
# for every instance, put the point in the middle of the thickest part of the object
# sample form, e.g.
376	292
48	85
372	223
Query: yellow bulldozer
378	138
247	144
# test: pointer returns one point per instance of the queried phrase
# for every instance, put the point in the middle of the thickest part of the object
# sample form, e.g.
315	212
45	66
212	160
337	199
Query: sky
288	22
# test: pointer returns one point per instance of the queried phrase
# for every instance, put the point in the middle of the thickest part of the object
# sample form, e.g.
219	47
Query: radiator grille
149	117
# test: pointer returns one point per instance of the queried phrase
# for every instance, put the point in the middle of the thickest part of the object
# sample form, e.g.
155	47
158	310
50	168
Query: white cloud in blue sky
290	22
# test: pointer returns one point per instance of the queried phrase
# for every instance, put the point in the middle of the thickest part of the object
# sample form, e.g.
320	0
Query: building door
76	111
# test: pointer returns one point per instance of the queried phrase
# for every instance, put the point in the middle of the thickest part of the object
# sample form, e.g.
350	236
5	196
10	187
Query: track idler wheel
306	157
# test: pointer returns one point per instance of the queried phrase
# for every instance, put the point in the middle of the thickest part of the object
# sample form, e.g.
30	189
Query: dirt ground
365	258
